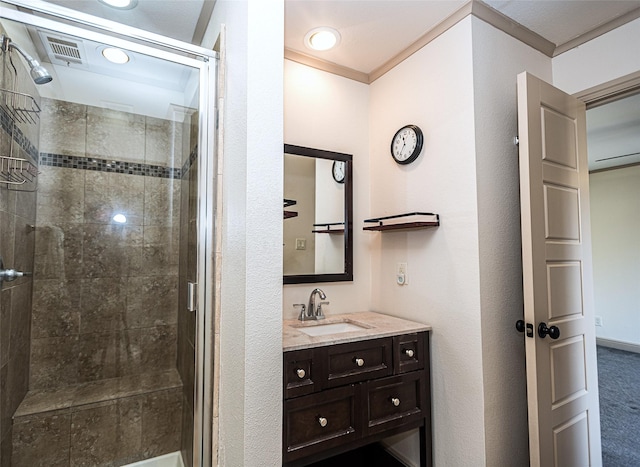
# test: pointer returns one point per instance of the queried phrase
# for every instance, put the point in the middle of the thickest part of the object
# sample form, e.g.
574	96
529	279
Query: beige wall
326	111
498	59
615	223
300	186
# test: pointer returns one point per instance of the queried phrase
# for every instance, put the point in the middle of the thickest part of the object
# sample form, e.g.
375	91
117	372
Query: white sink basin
331	328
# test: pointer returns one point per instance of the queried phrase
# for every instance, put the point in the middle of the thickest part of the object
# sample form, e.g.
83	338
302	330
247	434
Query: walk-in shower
103	359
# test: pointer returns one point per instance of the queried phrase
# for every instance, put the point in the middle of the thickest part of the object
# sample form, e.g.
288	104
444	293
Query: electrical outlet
598	320
402	278
301	243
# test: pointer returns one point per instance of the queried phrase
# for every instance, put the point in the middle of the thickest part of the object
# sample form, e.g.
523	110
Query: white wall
251	328
434	90
600	60
498	59
615	223
326	111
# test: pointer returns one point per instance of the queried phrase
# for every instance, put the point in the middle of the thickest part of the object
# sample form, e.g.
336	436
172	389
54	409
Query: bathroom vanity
352	380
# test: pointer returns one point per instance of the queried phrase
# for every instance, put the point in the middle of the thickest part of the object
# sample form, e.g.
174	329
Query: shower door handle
192	296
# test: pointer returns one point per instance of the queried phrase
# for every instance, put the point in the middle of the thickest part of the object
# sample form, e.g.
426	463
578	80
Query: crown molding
597	32
481	11
326	66
505	24
425	39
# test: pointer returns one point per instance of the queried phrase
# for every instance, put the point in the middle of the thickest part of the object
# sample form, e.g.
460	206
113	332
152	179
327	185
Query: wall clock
338	171
406	144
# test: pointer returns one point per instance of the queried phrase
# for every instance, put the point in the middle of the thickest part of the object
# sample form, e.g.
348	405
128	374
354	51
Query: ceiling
375	31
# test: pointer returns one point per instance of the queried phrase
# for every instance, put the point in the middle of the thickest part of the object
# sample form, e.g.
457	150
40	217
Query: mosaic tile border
106	165
12	130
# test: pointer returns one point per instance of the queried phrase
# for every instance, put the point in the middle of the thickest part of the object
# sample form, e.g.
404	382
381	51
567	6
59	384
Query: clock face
406	144
338	171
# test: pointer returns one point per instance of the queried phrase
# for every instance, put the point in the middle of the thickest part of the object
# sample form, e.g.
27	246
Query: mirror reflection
317	208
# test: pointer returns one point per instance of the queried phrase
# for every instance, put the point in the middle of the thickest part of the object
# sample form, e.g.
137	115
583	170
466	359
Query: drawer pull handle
322	421
395	401
359	361
301	373
409	353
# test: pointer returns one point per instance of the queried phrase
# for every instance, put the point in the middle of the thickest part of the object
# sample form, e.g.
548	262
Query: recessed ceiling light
323	38
120	4
115	55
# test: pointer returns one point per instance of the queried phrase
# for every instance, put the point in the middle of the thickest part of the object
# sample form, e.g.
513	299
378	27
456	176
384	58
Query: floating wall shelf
287	203
330	228
409	221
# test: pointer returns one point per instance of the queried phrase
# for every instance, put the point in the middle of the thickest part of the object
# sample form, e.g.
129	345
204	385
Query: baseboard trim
614	344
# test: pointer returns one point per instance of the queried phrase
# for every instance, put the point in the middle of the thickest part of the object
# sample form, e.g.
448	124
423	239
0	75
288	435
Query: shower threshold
173	459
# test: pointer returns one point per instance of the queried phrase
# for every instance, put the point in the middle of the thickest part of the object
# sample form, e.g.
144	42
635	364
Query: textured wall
17	215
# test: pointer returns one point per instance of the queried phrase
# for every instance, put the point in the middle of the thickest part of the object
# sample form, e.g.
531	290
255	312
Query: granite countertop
375	324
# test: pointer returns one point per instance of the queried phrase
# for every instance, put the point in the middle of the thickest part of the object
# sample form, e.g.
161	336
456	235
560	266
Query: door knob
520	325
552	331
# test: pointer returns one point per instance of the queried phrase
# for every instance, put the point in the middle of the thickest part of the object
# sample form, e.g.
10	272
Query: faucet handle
302	308
319	313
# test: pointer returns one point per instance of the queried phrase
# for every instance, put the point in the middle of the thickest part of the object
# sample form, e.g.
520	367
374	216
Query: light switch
301	243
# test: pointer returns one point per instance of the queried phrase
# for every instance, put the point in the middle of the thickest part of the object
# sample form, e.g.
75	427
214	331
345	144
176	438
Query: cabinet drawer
409	352
358	361
302	373
395	401
320	421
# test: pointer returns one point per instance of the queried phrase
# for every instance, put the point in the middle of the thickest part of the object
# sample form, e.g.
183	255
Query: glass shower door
117	359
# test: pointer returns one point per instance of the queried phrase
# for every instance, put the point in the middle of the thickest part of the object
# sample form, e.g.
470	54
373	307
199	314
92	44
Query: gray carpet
619	384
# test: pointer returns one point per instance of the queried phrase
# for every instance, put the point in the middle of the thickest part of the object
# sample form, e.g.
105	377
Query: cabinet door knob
395	401
301	373
359	361
409	353
322	421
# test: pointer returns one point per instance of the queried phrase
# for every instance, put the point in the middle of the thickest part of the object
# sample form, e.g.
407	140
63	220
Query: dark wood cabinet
344	396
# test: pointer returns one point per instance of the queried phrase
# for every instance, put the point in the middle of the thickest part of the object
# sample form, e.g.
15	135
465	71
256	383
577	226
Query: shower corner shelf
20	106
329	228
16	171
408	221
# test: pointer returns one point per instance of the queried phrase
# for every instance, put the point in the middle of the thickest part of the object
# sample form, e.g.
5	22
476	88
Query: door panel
564	281
562	392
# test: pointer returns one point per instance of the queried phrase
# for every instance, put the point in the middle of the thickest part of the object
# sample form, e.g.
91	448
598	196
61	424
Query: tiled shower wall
17	216
105	294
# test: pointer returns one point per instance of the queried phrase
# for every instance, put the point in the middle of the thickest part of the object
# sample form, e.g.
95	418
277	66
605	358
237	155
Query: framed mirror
318	216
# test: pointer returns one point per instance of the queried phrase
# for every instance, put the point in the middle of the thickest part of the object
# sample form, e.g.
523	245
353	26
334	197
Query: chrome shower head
39	74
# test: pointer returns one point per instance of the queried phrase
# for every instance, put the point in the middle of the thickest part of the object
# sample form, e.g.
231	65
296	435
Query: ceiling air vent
65	50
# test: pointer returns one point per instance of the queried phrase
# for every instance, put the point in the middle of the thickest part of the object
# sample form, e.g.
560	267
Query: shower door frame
144	42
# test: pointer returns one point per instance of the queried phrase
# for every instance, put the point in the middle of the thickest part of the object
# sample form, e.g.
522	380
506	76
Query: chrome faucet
314	310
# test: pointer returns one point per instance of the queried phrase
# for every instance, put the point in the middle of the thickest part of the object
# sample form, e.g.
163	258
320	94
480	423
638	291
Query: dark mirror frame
347	275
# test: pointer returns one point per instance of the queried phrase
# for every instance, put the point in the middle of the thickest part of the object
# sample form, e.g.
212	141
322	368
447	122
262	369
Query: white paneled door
562	382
